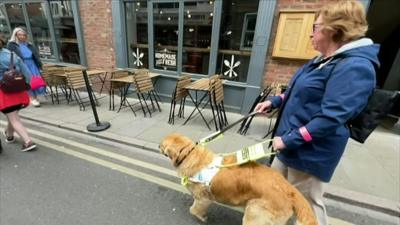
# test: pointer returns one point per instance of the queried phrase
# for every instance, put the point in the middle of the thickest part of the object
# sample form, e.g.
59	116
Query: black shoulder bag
379	105
13	80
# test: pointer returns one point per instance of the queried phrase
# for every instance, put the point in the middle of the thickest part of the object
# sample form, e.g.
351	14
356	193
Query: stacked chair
55	85
217	102
179	95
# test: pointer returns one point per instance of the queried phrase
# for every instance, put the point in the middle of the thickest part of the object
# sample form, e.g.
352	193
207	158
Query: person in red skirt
11	103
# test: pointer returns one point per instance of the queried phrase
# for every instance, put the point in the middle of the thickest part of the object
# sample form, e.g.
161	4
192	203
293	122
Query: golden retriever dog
266	195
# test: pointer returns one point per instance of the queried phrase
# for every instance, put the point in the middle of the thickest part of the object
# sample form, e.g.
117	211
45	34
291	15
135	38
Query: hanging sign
44	50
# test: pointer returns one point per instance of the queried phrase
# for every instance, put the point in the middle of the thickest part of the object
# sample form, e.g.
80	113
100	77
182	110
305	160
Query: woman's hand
277	144
263	107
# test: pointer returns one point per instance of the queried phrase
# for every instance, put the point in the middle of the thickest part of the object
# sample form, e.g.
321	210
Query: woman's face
22	37
320	39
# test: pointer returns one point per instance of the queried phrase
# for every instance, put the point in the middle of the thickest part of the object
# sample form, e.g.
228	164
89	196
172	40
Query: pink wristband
305	134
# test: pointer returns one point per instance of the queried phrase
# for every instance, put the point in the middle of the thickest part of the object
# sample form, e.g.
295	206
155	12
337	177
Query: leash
219	134
246	154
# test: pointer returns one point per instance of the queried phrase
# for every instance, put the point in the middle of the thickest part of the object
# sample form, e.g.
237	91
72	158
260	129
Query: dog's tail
302	209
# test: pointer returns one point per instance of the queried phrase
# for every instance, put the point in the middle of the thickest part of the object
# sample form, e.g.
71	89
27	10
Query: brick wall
96	18
279	69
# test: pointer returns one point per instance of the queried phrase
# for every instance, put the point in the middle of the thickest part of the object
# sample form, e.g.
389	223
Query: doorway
385	30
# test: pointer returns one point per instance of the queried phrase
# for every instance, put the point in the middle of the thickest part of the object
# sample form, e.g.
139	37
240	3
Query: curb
335	193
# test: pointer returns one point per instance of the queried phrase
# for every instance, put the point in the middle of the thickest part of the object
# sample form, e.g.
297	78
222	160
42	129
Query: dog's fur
268	198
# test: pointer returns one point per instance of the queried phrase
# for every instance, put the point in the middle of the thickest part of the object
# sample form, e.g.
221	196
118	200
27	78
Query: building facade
233	38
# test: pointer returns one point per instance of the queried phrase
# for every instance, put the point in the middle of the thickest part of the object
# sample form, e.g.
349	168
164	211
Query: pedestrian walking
311	132
19	44
11	103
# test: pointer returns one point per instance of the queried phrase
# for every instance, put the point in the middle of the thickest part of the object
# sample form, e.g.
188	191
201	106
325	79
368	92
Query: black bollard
97	126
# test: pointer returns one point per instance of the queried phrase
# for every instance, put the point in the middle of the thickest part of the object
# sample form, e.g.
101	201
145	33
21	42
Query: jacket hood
363	47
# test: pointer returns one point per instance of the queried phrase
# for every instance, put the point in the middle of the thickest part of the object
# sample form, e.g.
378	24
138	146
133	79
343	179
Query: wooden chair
179	95
144	86
76	83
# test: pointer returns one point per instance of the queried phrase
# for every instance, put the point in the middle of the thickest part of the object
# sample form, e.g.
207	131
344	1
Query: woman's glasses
315	26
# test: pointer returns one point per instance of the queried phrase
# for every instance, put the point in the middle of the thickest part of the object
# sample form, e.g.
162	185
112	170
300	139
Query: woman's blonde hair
346	18
14	34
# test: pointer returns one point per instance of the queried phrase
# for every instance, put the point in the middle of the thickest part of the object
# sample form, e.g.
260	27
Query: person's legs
311	187
35	101
280	167
15	124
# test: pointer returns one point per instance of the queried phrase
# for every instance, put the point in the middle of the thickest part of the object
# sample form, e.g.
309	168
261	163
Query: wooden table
128	80
101	74
202	85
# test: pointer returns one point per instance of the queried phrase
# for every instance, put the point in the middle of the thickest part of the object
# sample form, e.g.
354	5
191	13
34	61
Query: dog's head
176	147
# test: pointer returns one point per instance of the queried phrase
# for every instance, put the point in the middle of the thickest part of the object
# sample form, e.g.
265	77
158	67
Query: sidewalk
368	174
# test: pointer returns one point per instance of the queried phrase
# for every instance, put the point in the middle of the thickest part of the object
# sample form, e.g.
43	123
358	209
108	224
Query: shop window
249	27
198	20
65	33
166	18
137	35
236	38
40	29
3	22
15	15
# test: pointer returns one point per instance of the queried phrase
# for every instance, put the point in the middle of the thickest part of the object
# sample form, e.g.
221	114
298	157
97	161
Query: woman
11	103
323	95
19	44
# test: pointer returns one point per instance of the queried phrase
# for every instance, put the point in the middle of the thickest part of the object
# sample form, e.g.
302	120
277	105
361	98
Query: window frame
245	31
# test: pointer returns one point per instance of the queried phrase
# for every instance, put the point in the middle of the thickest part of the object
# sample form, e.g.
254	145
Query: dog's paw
203	218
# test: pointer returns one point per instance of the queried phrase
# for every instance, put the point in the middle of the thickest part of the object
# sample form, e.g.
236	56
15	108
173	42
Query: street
78	179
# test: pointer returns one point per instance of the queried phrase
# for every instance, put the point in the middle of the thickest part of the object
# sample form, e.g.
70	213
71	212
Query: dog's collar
184	157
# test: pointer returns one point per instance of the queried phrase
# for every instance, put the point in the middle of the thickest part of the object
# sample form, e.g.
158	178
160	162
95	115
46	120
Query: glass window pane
3	22
236	38
40	29
198	21
65	32
15	15
166	16
136	27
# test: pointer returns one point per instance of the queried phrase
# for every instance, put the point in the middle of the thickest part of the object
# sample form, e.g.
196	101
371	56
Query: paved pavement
368	174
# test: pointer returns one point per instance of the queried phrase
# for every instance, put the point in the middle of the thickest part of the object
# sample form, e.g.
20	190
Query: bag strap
11	66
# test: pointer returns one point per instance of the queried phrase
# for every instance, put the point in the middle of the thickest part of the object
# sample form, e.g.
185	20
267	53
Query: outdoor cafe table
201	85
128	80
101	74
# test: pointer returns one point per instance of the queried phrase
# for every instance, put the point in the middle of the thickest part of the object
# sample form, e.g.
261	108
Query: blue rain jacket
325	94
